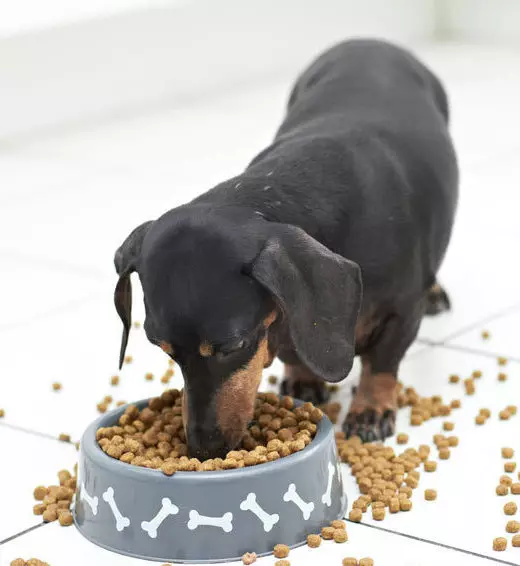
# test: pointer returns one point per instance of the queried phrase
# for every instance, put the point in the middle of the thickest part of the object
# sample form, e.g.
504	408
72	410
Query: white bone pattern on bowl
224	522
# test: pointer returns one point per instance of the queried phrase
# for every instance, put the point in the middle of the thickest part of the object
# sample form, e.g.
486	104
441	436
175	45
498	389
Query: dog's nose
206	442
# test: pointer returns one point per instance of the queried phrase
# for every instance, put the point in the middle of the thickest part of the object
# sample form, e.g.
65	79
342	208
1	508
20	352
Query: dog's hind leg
437	300
300	383
372	413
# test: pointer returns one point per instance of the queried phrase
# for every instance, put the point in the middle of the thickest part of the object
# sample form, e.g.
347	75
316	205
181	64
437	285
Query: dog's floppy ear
320	295
125	261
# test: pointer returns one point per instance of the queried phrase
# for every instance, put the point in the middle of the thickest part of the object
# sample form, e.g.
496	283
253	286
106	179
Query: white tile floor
67	202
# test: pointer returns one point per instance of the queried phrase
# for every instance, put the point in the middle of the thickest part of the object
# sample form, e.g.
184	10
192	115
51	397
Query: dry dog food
515	488
502	489
509	467
249	558
430	495
402	438
30	562
366	562
338	524
272	379
349	562
282	563
454	378
512	527
114	380
504	415
128	359
148	376
154	437
340	535
378	513
480	419
455	404
448	426
502	376
485	335
327	533
515	541
477	374
512	409
2	413
56	500
355	515
313	541
281	551
499	544
56	386
506	480
469	386
507	453
64	437
510	508
501	361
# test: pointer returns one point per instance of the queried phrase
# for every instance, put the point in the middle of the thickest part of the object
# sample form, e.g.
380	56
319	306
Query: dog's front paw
370	424
315	391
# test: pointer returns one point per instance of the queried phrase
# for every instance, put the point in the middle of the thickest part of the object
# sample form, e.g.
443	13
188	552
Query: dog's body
363	165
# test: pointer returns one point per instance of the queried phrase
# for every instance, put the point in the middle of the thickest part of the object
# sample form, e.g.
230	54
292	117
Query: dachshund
325	247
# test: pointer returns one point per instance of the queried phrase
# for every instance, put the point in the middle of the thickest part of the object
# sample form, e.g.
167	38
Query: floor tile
466	482
503	336
30	290
28	461
59	546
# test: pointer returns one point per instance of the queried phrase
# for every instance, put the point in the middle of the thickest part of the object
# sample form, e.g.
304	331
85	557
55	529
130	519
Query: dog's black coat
362	172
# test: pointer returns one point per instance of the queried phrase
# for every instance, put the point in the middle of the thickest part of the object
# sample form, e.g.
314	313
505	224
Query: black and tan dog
358	189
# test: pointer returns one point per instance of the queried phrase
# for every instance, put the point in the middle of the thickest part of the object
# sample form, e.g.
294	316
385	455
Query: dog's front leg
373	410
301	383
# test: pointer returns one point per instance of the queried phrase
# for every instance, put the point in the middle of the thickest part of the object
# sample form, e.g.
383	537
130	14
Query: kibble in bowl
217	513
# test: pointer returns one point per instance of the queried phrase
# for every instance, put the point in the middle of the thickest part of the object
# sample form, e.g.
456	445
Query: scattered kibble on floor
507	452
502	489
137	324
128	359
512	527
148	376
313	541
485	335
477	374
480	420
501	361
430	495
272	379
64	437
402	438
454	378
502	376
2	413
30	562
499	544
281	551
448	426
509	467
56	386
114	380
515	541
510	508
249	558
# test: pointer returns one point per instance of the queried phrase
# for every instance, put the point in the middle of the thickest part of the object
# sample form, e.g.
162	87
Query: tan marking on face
165	347
205	350
236	399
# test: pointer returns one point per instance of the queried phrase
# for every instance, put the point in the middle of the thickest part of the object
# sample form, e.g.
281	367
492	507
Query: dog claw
370	425
315	392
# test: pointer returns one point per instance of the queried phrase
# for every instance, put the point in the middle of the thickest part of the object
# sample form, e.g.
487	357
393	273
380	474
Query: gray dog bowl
206	516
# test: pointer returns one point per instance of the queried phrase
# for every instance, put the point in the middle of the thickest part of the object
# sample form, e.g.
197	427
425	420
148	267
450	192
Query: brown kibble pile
281	551
56	500
249	558
154	437
499	544
30	562
422	408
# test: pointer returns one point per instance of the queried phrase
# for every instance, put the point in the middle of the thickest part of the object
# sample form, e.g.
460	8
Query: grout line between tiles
35	433
21	533
439	544
477	352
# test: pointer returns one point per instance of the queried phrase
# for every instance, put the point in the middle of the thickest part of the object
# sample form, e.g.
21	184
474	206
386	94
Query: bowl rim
89	448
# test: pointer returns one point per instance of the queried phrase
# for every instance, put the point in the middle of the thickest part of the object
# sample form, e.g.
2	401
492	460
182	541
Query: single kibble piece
40	492
499	544
485	413
455	404
114	380
327	533
313	541
402	438
501	361
453	441
430	495
477	374
349	562
502	376
416	420
281	551
378	513
515	541
282	563
129	359
444	453
2	413
469	385
50	515
454	378
148	376
507	452
512	409
272	379
504	415
480	420
448	425
64	437
337	524
366	562
65	518
355	516
502	489
506	480
515	489
510	508
485	335
39	509
512	527
56	386
405	504
509	467
430	466
340	536
249	558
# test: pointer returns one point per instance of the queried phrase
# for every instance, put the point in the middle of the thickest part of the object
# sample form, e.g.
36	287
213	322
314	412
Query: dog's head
217	287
